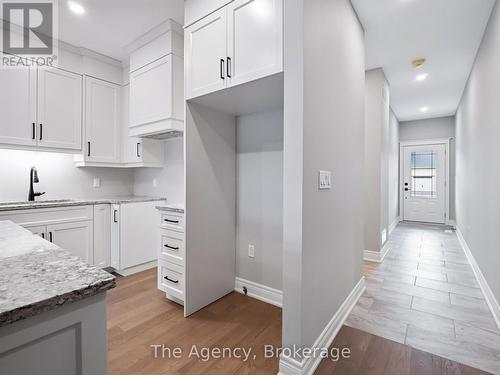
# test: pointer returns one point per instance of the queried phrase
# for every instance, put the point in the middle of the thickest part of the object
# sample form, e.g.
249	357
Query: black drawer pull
171	221
41	131
171	247
222	62
34	131
172	281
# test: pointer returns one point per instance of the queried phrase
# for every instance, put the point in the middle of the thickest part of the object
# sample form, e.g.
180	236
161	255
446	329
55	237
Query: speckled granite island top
37	276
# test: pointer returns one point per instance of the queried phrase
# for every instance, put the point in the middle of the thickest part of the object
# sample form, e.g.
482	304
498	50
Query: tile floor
425	295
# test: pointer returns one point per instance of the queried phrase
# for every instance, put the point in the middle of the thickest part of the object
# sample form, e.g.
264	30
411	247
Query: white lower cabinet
102	235
171	256
75	237
133	236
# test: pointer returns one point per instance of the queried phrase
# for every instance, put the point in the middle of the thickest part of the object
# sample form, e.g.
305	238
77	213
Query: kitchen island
52	308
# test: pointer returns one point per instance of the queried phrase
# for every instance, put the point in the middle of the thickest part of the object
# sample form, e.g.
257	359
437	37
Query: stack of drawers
171	257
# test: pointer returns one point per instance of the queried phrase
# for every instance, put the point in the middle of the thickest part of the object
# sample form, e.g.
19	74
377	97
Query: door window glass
424	174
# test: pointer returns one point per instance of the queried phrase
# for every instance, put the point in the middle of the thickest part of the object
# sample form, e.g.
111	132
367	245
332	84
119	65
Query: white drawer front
173	221
171	279
172	247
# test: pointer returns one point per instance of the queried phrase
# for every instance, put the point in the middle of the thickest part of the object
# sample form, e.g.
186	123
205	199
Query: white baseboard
394	224
376	256
137	269
290	366
485	288
259	291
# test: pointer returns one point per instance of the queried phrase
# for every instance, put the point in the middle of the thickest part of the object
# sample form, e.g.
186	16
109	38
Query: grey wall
441	127
376	160
324	130
58	177
478	153
393	159
259	145
169	179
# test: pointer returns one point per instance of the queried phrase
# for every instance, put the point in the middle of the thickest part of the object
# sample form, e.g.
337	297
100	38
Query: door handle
171	247
171	221
88	147
222	69
41	131
228	68
172	281
43	235
34	131
50	236
115	217
406	189
138	144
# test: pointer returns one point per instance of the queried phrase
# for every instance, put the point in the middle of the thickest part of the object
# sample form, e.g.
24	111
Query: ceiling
445	32
109	25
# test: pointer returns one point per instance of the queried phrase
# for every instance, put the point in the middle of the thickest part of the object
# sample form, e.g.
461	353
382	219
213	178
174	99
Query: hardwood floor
425	295
139	316
374	355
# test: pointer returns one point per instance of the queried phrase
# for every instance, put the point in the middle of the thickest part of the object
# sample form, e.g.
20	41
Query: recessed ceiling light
421	77
76	8
424	109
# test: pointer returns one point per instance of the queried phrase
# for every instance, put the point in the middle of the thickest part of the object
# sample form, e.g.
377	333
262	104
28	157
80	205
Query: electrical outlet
97	182
251	251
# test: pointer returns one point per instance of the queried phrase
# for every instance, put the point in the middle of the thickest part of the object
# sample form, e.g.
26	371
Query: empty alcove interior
234	192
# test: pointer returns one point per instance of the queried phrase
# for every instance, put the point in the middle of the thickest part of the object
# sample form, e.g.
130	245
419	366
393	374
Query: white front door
424	183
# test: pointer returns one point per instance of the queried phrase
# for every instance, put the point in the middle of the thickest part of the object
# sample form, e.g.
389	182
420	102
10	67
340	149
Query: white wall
259	145
478	153
393	159
58	177
376	160
324	130
442	127
169	179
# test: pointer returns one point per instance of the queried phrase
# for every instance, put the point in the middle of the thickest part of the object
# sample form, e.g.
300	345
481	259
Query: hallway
425	295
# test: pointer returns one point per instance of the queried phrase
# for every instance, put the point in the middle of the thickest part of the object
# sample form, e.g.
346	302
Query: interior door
255	39
59	109
76	237
102	121
206	53
18	106
424	183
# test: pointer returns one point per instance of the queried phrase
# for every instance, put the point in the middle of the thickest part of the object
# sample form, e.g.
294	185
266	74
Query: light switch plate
251	251
97	182
325	180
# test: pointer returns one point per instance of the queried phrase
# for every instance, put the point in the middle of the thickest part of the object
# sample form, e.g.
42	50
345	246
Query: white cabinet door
18	106
102	121
39	230
75	237
59	109
205	54
255	39
102	235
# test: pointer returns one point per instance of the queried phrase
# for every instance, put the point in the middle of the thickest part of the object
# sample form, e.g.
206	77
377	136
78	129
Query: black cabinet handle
138	154
50	236
88	148
34	130
43	235
115	217
41	131
222	69
171	247
171	221
172	281
406	189
228	67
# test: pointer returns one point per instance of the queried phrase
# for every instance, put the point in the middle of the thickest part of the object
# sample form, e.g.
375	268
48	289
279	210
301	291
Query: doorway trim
425	142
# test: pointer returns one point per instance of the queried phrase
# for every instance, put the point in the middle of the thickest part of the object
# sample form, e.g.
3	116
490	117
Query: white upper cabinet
102	121
59	109
238	43
157	84
255	39
206	54
18	106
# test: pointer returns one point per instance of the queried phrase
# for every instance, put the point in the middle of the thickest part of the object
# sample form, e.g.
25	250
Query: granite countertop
37	276
11	206
172	207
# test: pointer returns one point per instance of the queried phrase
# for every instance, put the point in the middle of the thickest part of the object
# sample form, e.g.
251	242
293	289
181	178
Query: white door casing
424	186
